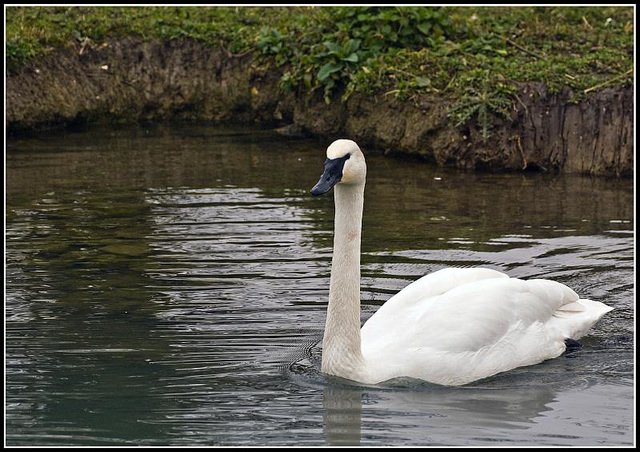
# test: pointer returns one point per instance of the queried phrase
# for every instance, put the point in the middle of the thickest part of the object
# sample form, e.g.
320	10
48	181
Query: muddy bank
131	81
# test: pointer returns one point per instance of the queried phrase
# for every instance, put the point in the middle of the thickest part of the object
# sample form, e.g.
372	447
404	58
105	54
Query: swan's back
457	325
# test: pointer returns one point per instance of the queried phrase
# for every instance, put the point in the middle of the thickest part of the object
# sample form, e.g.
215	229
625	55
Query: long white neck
341	353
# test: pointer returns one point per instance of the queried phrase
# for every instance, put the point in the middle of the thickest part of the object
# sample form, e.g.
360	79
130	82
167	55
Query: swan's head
344	165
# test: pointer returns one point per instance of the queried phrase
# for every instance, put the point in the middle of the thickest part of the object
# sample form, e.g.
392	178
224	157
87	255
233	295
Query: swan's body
451	327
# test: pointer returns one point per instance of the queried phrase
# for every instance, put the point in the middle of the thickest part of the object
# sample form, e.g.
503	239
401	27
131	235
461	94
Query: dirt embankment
130	80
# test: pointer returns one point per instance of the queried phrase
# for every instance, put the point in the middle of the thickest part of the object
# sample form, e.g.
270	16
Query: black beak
331	176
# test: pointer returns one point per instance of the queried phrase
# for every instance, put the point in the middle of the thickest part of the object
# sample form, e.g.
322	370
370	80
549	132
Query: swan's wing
424	290
475	313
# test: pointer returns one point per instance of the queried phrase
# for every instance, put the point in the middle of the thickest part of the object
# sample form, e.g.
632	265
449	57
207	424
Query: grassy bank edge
474	56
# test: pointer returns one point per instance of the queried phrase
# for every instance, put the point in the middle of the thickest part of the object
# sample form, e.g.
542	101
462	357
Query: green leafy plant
482	104
381	28
340	62
271	42
18	50
364	34
345	41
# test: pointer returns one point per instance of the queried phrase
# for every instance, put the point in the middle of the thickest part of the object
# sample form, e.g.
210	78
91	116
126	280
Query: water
168	286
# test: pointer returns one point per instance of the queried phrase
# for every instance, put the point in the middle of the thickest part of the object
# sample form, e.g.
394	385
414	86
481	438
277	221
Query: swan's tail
573	320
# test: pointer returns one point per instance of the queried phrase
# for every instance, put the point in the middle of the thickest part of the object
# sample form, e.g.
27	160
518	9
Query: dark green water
168	286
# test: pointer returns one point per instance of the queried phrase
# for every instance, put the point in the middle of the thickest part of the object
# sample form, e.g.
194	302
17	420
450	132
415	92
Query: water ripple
165	288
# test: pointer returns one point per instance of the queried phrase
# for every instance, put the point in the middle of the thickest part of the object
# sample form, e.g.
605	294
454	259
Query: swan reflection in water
433	414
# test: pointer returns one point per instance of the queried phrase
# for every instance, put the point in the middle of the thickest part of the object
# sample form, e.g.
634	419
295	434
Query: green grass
36	31
475	56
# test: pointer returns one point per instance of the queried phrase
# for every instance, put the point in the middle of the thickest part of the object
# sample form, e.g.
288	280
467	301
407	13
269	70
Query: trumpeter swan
450	327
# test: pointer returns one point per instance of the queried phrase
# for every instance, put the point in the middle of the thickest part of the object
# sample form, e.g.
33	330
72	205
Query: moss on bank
473	57
400	50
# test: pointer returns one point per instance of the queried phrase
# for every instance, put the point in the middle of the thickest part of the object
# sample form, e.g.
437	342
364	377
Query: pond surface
168	286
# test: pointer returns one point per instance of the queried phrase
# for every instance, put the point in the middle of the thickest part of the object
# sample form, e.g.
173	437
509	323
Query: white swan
450	327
